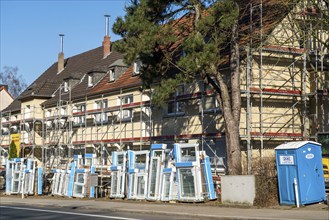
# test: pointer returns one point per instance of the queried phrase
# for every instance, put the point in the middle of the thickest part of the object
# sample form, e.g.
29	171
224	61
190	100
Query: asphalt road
74	213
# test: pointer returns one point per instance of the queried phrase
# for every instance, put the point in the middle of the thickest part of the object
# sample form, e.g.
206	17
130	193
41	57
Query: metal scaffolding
282	74
284	97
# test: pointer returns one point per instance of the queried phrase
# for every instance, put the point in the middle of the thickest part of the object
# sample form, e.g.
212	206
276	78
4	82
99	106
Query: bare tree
16	84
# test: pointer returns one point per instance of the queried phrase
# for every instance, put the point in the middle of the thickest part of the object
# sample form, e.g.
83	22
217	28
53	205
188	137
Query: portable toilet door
301	162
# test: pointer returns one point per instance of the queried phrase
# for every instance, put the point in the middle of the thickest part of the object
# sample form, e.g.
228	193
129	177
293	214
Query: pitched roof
273	12
97	64
126	80
48	82
46	86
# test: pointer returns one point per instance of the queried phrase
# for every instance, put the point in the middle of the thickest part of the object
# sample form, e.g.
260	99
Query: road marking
68	213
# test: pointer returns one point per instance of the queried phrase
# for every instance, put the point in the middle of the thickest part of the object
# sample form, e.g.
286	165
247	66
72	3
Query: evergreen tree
178	41
12	151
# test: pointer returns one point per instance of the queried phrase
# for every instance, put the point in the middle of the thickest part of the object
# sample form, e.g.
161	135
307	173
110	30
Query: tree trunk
232	131
233	124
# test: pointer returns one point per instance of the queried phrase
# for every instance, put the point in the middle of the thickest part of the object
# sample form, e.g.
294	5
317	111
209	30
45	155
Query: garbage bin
300	173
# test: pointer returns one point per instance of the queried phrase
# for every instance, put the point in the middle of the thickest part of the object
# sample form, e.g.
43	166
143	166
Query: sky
29	31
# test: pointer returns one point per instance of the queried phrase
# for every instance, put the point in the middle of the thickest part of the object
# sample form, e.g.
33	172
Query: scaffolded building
95	103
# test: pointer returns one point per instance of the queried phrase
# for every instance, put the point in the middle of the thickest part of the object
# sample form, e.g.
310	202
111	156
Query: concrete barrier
239	189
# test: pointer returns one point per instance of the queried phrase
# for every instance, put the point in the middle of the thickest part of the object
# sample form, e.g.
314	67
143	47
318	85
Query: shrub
12	151
266	182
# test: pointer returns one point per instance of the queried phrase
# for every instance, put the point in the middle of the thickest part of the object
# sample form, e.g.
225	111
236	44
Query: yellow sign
16	139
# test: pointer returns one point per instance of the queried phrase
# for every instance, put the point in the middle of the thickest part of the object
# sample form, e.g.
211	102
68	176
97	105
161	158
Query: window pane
153	176
79	189
80	178
188	154
120	160
187	183
140	186
140	161
114	183
166	184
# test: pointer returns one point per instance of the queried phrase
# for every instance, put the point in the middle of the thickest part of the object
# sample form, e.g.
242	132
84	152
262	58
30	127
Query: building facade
95	103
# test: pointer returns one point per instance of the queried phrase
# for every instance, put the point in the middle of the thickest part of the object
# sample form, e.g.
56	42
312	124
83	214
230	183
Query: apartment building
95	103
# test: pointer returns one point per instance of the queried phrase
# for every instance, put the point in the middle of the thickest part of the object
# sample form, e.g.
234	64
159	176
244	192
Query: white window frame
90	80
49	124
63	111
111	75
126	114
66	86
27	111
213	101
79	107
79	120
178	105
80	184
137	66
48	113
101	104
4	131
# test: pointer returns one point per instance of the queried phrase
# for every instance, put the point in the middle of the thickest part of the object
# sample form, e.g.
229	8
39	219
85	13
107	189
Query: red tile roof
126	80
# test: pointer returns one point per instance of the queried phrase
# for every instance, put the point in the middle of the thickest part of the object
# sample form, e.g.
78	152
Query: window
66	86
63	111
81	119
79	108
126	113
187	183
210	104
101	105
176	107
6	118
90	80
27	111
4	131
14	129
48	113
112	75
183	53
80	185
49	124
137	66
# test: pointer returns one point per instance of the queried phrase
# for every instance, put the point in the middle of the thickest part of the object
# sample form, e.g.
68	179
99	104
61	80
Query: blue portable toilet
302	161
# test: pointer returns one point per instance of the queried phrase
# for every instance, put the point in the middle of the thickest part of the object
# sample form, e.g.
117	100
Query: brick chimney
61	55
107	39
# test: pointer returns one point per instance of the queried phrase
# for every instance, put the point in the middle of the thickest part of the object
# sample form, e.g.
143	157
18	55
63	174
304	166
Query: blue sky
29	31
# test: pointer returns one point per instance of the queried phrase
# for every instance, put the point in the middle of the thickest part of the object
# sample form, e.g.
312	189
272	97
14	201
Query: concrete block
240	189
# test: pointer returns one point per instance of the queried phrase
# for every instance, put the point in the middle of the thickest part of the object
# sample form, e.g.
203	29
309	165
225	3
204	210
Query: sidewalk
202	211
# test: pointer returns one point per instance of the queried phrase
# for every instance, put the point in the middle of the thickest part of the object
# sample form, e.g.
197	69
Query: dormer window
112	75
66	86
137	66
90	80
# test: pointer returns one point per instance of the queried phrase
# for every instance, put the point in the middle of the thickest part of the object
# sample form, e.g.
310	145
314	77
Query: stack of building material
21	177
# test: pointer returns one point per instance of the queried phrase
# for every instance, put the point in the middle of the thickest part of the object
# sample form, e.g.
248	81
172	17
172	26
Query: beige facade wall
5	99
280	104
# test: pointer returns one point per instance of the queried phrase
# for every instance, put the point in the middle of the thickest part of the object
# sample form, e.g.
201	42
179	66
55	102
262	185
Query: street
14	207
74	213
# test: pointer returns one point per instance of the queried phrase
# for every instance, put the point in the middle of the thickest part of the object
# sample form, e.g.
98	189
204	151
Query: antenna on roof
61	48
60	65
107	39
107	17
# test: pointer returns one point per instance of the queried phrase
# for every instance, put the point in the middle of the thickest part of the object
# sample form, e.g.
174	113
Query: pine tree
178	41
